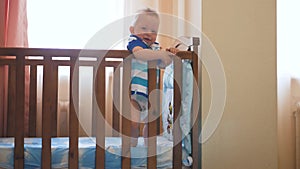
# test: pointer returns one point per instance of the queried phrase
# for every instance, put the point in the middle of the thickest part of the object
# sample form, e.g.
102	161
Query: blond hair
143	12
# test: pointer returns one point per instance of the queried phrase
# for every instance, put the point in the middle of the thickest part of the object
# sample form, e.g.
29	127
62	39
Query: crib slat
73	120
47	110
126	109
19	118
177	149
152	114
116	101
100	123
3	94
11	100
54	95
32	100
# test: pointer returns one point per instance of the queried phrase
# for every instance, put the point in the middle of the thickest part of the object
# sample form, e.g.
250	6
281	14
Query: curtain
13	33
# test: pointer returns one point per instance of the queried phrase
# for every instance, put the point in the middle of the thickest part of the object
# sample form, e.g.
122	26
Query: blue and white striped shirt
139	69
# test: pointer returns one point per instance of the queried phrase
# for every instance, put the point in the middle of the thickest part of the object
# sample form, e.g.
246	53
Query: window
69	23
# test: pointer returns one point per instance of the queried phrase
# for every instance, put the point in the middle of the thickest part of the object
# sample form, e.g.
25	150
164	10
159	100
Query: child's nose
149	33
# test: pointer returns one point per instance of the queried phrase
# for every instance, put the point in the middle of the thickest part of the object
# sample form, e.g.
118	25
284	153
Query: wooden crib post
47	110
126	109
33	100
73	119
11	100
54	84
19	118
100	122
116	99
177	150
196	106
153	111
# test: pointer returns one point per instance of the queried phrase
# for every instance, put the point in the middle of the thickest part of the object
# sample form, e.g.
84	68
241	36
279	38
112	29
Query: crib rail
20	60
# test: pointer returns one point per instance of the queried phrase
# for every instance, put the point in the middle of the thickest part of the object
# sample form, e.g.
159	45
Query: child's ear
131	29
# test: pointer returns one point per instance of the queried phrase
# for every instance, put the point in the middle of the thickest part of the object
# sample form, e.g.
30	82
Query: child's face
146	28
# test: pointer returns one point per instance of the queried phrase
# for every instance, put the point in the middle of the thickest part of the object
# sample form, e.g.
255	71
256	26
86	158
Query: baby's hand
172	50
166	59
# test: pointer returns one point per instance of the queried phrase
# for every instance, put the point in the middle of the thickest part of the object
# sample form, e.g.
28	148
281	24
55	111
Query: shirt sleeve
134	42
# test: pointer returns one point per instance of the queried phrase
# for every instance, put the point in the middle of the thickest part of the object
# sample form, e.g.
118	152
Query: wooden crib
16	60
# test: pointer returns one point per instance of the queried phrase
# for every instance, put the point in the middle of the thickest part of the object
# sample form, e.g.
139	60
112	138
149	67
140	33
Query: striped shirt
139	69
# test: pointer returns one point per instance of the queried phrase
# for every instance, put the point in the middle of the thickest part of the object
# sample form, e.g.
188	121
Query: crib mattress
59	149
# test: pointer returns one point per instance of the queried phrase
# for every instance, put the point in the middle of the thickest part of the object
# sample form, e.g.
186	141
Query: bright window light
69	23
288	36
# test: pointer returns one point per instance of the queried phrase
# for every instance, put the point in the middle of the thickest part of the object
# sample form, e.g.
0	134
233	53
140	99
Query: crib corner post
197	105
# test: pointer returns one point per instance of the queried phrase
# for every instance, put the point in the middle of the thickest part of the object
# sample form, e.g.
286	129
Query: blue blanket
59	148
186	103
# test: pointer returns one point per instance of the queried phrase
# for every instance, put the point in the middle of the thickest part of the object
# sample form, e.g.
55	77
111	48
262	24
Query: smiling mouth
147	39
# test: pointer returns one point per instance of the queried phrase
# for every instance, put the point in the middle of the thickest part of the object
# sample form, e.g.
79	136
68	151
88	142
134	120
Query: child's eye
144	28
